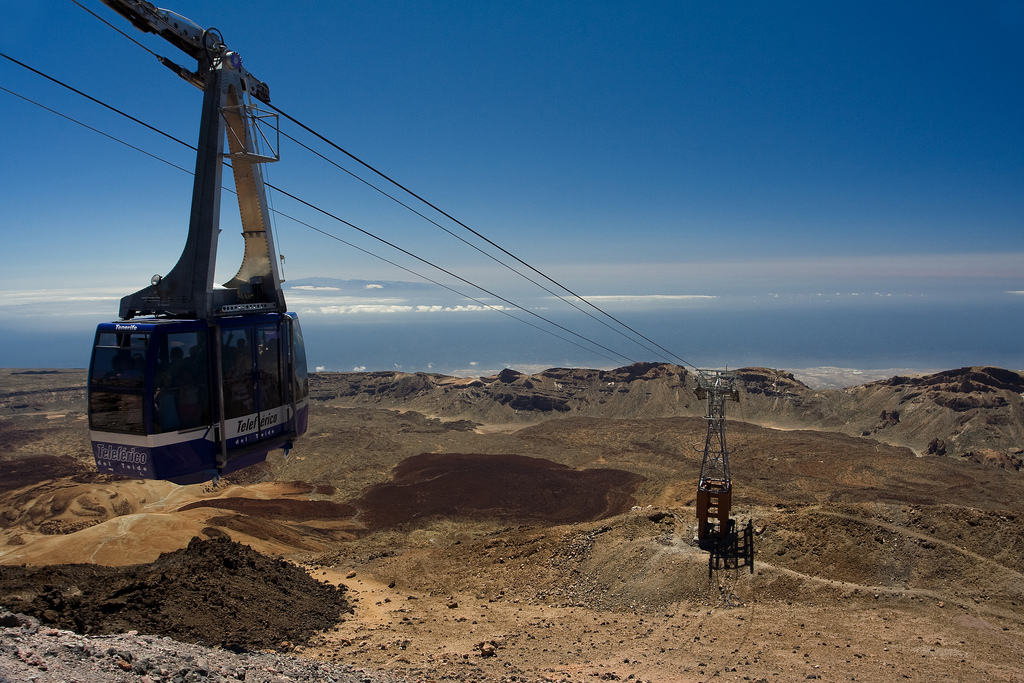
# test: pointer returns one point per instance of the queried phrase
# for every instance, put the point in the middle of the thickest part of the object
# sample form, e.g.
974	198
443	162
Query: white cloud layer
647	298
391	308
23	306
16	297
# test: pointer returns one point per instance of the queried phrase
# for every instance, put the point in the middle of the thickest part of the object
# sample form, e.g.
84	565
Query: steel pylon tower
714	490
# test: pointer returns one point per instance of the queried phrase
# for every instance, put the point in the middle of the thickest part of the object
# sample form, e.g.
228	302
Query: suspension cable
467	242
446	271
457	221
361	230
444	286
116	29
97	130
460	223
93	99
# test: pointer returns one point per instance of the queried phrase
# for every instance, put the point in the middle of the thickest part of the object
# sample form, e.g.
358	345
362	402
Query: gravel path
29	652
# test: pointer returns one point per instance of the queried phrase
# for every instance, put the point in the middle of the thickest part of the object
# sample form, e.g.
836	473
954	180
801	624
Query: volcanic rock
214	592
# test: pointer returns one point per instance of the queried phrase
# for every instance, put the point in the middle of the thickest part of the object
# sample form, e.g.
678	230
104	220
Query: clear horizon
825	343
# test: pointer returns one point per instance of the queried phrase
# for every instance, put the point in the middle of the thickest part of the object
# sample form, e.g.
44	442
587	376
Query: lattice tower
714	489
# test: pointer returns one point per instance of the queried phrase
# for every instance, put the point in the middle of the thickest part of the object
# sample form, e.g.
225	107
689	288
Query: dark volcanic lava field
541	528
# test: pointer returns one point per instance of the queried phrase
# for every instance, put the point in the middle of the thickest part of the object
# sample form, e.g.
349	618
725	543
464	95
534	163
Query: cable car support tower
714	489
197	380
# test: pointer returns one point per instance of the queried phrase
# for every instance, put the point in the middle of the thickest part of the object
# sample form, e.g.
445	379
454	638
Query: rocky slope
976	413
551	541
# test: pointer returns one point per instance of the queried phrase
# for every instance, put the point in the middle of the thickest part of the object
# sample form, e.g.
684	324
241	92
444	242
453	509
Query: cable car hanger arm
188	289
188	37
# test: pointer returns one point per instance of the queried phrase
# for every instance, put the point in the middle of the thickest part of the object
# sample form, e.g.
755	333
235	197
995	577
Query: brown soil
460	486
21	472
563	549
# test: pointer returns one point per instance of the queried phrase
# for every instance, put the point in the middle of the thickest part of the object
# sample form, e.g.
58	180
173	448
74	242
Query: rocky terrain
974	412
31	652
532	528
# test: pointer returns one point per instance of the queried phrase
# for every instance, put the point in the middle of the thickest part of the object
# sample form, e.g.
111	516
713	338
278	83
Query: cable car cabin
186	386
188	400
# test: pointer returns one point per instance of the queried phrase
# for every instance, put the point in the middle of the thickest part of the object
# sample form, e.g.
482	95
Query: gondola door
239	386
256	400
272	403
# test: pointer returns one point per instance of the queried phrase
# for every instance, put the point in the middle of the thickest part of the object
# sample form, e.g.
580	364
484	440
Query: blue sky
650	155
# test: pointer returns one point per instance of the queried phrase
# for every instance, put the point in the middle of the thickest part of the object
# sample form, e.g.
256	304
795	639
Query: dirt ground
559	551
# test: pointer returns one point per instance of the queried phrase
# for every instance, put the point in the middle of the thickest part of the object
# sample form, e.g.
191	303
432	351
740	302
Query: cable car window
239	397
181	393
300	376
111	412
119	359
268	363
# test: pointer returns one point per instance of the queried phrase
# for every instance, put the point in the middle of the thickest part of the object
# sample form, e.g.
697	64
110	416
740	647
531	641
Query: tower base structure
714	503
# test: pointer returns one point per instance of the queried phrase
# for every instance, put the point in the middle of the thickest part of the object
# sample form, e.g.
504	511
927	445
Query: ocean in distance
918	337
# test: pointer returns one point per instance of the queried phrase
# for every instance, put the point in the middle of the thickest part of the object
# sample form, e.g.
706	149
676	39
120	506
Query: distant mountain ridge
974	412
